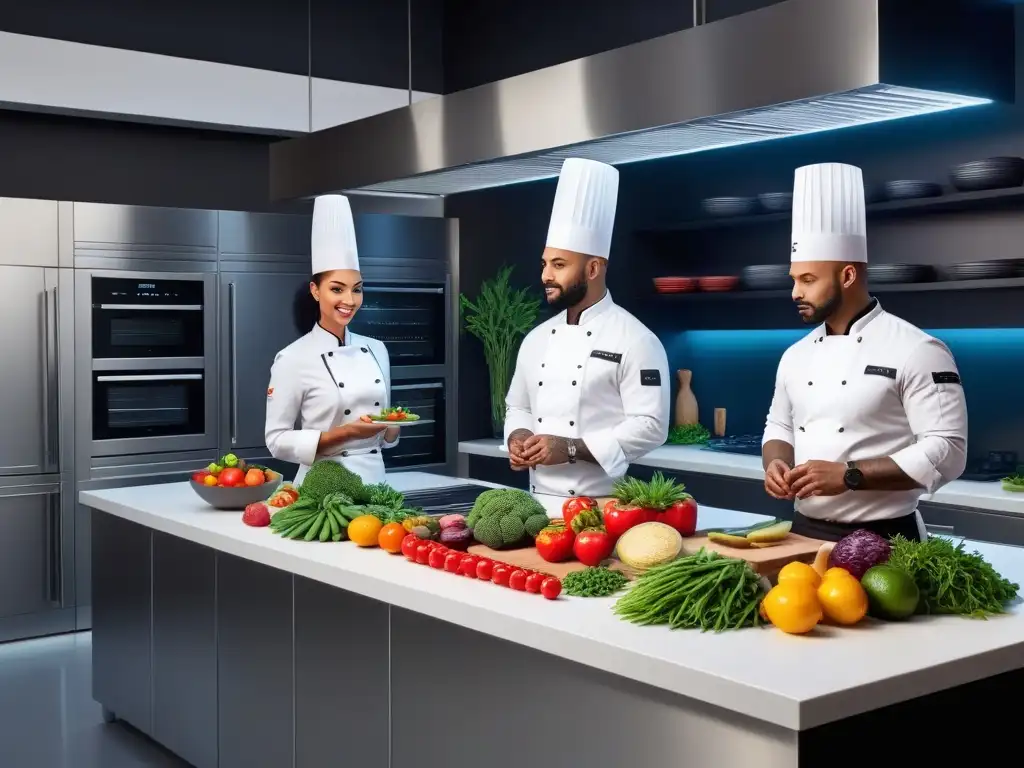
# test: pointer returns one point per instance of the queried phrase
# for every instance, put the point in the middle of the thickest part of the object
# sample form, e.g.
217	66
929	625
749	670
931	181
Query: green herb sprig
951	580
593	582
688	434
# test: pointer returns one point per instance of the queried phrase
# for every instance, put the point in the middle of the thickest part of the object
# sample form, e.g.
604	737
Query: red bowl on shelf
675	284
719	283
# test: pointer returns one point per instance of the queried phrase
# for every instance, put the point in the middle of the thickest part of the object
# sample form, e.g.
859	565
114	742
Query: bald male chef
869	411
590	391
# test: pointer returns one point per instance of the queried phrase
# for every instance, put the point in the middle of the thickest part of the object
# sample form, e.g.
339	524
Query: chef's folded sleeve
779	425
384	361
517	401
645	406
933	398
284	401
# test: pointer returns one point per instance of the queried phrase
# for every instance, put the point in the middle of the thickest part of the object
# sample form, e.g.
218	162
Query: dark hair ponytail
305	309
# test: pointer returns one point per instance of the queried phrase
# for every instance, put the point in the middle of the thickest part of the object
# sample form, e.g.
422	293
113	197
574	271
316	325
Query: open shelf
957	201
939	285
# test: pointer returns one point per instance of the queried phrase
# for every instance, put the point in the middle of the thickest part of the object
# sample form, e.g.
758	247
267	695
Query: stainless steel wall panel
28	232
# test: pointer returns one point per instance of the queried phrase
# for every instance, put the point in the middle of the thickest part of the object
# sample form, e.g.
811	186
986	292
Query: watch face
854	478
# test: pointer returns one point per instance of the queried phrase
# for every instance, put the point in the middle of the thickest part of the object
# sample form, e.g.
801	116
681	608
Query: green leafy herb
593	582
688	434
951	580
704	590
500	317
1015	482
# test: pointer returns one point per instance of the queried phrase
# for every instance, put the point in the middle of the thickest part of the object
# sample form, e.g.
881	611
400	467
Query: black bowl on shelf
993	173
900	273
776	202
994	269
766	277
904	189
237	497
729	206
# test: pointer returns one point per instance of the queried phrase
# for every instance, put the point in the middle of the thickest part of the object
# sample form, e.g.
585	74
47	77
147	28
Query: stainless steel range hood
793	68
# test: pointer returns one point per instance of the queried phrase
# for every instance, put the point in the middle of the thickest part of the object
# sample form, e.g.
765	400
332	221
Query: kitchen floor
48	718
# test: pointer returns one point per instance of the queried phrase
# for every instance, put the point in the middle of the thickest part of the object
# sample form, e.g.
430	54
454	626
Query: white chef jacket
604	381
886	389
320	382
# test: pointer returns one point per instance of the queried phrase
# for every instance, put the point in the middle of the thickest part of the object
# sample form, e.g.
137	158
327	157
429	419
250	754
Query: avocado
774	533
738	542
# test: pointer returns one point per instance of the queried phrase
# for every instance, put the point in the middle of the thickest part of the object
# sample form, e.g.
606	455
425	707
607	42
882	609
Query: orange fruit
364	530
797	571
843	600
390	538
793	607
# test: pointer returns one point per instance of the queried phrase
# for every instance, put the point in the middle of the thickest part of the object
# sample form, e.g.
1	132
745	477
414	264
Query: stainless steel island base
230	663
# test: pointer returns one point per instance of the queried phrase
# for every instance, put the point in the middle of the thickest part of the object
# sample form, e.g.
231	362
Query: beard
568	296
821	312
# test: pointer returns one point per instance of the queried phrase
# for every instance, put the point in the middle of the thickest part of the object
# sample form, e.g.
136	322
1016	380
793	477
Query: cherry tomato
517	580
409	545
422	553
451	562
500	574
467	565
533	582
551	587
436	558
484	569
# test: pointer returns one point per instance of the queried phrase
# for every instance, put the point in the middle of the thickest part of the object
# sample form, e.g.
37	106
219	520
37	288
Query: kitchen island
233	647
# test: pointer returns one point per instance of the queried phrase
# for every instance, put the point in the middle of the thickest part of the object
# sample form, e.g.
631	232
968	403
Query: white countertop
794	682
688	458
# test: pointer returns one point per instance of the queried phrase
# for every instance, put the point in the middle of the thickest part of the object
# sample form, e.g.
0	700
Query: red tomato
517	580
484	569
500	574
467	566
551	588
423	551
409	545
533	582
393	416
682	516
618	520
436	558
230	477
575	505
451	562
200	476
554	543
592	547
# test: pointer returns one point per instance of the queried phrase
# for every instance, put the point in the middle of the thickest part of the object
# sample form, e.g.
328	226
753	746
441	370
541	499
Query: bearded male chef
869	411
590	391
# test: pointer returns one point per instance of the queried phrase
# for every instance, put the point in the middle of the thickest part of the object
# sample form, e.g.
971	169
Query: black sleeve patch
946	377
611	357
878	370
650	378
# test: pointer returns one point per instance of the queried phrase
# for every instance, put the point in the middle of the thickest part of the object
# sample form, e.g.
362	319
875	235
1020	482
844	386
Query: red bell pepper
555	543
682	515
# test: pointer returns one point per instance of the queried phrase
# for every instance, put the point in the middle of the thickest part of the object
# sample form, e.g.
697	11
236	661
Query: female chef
329	378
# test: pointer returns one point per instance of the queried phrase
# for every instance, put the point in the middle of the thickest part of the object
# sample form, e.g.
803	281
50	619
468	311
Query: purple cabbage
858	551
457	538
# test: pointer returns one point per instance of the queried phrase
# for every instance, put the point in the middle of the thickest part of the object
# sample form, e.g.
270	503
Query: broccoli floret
326	476
512	529
535	524
488	532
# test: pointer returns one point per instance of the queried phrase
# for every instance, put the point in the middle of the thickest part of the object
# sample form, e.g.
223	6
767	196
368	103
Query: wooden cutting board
767	561
527	557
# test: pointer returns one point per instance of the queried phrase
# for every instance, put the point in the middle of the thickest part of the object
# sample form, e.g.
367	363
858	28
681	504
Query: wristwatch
571	444
853	478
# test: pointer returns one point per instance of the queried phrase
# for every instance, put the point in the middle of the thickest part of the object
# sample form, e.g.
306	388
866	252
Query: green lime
892	593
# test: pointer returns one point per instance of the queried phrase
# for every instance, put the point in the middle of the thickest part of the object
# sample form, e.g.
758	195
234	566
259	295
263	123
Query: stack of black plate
910	190
899	273
729	206
981	270
749	445
776	202
994	173
766	277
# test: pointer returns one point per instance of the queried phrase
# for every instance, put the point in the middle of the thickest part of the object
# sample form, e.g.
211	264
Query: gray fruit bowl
236	498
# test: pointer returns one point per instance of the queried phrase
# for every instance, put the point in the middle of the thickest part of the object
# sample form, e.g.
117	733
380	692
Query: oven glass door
137	319
424	442
409	320
160	404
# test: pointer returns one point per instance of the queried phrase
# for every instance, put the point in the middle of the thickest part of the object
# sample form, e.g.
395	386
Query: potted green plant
500	317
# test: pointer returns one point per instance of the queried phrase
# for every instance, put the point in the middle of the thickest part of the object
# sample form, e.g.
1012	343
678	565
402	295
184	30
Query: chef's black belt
828	531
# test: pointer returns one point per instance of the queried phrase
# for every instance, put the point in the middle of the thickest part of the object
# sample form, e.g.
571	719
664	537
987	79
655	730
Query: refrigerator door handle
51	404
232	349
395	289
55	549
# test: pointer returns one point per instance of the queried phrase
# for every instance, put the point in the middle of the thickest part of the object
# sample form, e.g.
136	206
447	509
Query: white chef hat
583	214
829	223
333	242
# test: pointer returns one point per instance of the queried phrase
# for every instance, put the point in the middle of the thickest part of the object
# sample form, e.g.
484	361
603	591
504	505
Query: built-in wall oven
423	443
151	354
410	318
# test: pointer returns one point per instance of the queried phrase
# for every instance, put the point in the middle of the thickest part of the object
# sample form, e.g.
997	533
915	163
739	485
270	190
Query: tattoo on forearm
520	434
